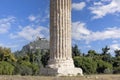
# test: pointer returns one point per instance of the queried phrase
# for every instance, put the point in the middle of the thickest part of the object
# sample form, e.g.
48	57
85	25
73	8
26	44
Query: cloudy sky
95	23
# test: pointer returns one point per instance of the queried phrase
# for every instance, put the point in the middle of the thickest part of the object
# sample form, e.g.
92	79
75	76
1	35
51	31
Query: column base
61	72
61	68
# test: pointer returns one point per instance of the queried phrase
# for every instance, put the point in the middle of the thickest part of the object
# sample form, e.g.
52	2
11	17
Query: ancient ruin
60	62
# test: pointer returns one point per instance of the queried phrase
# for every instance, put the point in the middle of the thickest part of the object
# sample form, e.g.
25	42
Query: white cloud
30	33
79	27
80	32
32	18
100	9
78	6
5	24
115	46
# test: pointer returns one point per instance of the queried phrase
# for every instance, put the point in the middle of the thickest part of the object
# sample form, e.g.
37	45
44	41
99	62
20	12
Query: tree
117	53
102	66
6	55
75	51
45	58
106	56
38	56
91	53
105	50
116	70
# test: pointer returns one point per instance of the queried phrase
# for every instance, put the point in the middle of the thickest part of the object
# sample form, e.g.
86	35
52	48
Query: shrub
6	68
26	68
22	69
87	64
45	58
108	71
103	67
35	69
116	70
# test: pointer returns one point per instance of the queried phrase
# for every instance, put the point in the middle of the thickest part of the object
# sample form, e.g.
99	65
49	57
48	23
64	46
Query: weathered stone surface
62	68
60	62
62	71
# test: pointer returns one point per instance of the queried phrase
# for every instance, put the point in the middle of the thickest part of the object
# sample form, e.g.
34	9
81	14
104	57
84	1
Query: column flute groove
60	62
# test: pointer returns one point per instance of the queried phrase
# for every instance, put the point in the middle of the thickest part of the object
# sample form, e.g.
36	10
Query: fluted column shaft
60	62
60	29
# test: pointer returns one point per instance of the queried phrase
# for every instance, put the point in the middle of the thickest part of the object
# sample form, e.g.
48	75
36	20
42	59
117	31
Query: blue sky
95	23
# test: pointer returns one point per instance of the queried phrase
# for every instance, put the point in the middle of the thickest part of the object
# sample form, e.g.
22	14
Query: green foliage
91	53
35	69
87	64
75	51
30	63
25	70
117	53
26	65
6	55
102	66
45	58
105	50
107	58
38	57
26	58
108	71
6	68
116	70
116	63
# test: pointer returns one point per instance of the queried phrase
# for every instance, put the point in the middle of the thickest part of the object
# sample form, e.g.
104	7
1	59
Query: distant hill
38	44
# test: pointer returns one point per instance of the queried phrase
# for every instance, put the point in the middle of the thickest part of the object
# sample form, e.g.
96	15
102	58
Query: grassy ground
88	77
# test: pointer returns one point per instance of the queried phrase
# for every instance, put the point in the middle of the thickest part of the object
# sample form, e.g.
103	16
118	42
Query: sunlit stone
60	62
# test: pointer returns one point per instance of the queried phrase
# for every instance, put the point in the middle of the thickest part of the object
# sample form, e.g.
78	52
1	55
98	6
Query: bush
6	68
87	64
116	70
108	71
116	63
26	68
103	67
45	58
22	69
35	69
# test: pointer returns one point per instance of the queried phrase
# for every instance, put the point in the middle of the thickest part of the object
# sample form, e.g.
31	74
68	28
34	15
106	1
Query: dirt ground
85	77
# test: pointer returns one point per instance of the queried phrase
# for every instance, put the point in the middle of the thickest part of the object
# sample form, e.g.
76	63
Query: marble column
60	62
60	29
